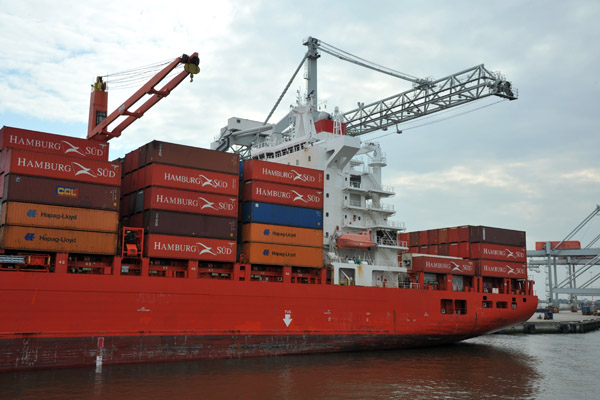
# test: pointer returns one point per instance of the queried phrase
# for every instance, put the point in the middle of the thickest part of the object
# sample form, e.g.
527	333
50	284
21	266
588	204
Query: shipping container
258	170
17	161
189	248
443	236
277	214
413	239
160	198
48	216
188	156
567	244
282	235
275	193
423	238
490	251
132	161
57	240
50	143
487	234
184	178
280	254
463	233
438	265
432	236
183	224
34	189
501	269
453	235
403	239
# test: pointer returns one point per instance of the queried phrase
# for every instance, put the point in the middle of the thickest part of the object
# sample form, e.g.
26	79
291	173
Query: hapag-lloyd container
438	265
282	235
278	214
258	170
184	178
34	189
296	196
501	269
188	156
49	143
48	216
183	224
161	198
57	240
280	254
490	251
189	248
16	161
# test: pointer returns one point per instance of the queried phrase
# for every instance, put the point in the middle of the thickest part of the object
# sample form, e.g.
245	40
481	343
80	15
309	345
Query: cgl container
57	240
278	234
189	248
33	189
277	214
279	254
17	161
296	196
258	170
183	224
49	143
48	216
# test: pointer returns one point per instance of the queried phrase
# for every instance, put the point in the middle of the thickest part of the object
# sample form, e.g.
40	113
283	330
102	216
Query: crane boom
98	122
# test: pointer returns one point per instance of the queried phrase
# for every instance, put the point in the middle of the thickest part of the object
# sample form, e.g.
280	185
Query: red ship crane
98	121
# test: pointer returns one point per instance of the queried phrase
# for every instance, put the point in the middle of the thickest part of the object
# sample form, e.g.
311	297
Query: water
490	367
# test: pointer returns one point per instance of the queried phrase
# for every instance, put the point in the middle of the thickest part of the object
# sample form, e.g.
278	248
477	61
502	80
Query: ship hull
65	320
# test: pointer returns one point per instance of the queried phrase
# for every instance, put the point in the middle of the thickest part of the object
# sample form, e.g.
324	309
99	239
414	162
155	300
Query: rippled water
491	367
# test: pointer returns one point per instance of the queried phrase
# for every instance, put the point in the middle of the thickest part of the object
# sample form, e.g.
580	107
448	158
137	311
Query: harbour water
545	366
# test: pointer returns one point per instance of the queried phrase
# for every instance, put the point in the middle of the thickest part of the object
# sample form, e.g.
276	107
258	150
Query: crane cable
133	77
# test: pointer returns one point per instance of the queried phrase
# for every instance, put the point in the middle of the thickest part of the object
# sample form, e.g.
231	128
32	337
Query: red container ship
159	290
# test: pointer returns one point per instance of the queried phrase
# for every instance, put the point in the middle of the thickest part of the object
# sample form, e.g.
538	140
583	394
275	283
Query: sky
530	164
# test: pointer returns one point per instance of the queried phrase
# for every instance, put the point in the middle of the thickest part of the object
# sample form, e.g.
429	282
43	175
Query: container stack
185	198
59	194
282	215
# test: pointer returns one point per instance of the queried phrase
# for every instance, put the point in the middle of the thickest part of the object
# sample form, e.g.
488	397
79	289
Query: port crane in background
427	96
99	122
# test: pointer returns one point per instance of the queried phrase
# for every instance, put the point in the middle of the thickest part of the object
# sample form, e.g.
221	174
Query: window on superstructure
327	176
460	307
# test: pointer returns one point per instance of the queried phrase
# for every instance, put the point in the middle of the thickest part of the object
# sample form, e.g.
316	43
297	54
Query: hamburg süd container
189	248
438	265
280	254
490	251
501	269
278	214
296	196
278	234
184	178
258	170
183	224
161	198
52	144
57	240
17	161
48	216
34	189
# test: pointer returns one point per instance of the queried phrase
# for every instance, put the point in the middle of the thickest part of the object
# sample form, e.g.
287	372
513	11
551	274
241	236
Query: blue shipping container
277	214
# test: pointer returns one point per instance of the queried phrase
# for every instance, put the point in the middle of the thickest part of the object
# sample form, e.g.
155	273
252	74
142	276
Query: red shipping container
567	244
257	170
432	236
423	238
24	162
189	157
288	195
501	269
443	249
184	201
132	161
403	239
453	235
413	238
441	265
490	251
189	248
185	178
463	233
49	143
464	250
489	234
453	250
443	235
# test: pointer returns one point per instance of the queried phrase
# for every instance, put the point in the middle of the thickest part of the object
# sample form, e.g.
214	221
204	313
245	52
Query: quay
563	322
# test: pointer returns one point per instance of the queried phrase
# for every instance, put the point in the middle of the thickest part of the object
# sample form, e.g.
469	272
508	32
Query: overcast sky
530	164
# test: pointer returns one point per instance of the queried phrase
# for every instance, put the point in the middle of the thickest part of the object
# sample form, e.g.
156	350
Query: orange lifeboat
355	241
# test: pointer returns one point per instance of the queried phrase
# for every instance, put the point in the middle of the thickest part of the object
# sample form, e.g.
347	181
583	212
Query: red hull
62	320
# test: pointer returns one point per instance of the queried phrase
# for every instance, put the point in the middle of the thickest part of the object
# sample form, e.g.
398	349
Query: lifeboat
360	240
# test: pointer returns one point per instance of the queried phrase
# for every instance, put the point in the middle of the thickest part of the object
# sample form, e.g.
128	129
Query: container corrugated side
259	170
280	254
189	248
188	156
57	240
491	251
50	143
501	269
296	196
17	161
277	214
183	224
488	234
438	265
160	198
278	234
48	216
34	189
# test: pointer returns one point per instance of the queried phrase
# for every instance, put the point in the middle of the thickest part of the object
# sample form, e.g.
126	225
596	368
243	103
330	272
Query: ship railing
391	224
354	203
384	207
408	285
